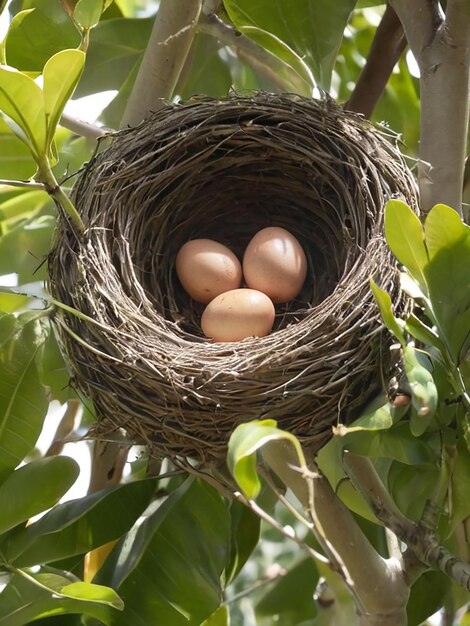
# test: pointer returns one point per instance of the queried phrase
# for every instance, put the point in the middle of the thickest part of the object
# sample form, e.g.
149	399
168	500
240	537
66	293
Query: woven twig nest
224	169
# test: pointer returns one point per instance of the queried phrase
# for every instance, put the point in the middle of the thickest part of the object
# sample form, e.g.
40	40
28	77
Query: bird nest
224	169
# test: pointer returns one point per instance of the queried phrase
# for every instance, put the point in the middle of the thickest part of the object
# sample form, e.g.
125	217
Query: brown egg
206	268
237	314
275	263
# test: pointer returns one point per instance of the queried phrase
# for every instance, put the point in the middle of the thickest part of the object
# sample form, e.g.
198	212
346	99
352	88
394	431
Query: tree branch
164	57
420	538
23	183
387	46
378	584
442	50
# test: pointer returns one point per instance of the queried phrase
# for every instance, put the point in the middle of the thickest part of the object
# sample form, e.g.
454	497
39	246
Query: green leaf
35	487
23	102
405	236
204	72
78	526
61	75
10	301
14	23
423	390
23	403
115	47
313	28
395	443
411	487
16	162
87	13
41	34
376	416
301	79
384	302
459	489
246	440
426	597
31	596
423	333
25	247
245	531
21	206
220	618
290	597
53	371
168	570
447	276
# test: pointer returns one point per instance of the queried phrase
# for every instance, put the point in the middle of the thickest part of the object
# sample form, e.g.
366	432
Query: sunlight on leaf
246	440
404	234
61	75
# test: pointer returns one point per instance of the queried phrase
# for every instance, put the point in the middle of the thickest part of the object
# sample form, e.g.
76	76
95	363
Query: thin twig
22	183
84	129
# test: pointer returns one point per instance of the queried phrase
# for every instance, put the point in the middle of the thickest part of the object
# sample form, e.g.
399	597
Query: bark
387	47
379	585
164	57
441	45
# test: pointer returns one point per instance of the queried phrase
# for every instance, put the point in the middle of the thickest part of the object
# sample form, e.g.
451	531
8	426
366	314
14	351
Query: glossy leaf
384	302
424	395
405	236
45	31
87	13
10	301
412	486
115	46
16	162
290	597
23	102
313	28
245	531
61	75
53	371
301	78
221	617
35	487
21	206
23	250
205	72
31	596
447	276
245	441
168	570
23	403
460	488
78	526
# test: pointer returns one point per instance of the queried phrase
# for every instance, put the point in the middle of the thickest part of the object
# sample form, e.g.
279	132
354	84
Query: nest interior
224	169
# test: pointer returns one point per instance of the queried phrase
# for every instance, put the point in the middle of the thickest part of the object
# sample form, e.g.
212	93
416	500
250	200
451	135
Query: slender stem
442	50
166	52
84	129
22	183
387	46
46	176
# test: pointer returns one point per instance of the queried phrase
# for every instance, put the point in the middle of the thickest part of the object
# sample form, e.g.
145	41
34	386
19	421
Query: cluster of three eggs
273	268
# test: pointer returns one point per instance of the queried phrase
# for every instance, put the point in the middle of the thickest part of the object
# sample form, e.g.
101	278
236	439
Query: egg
207	268
275	263
237	314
